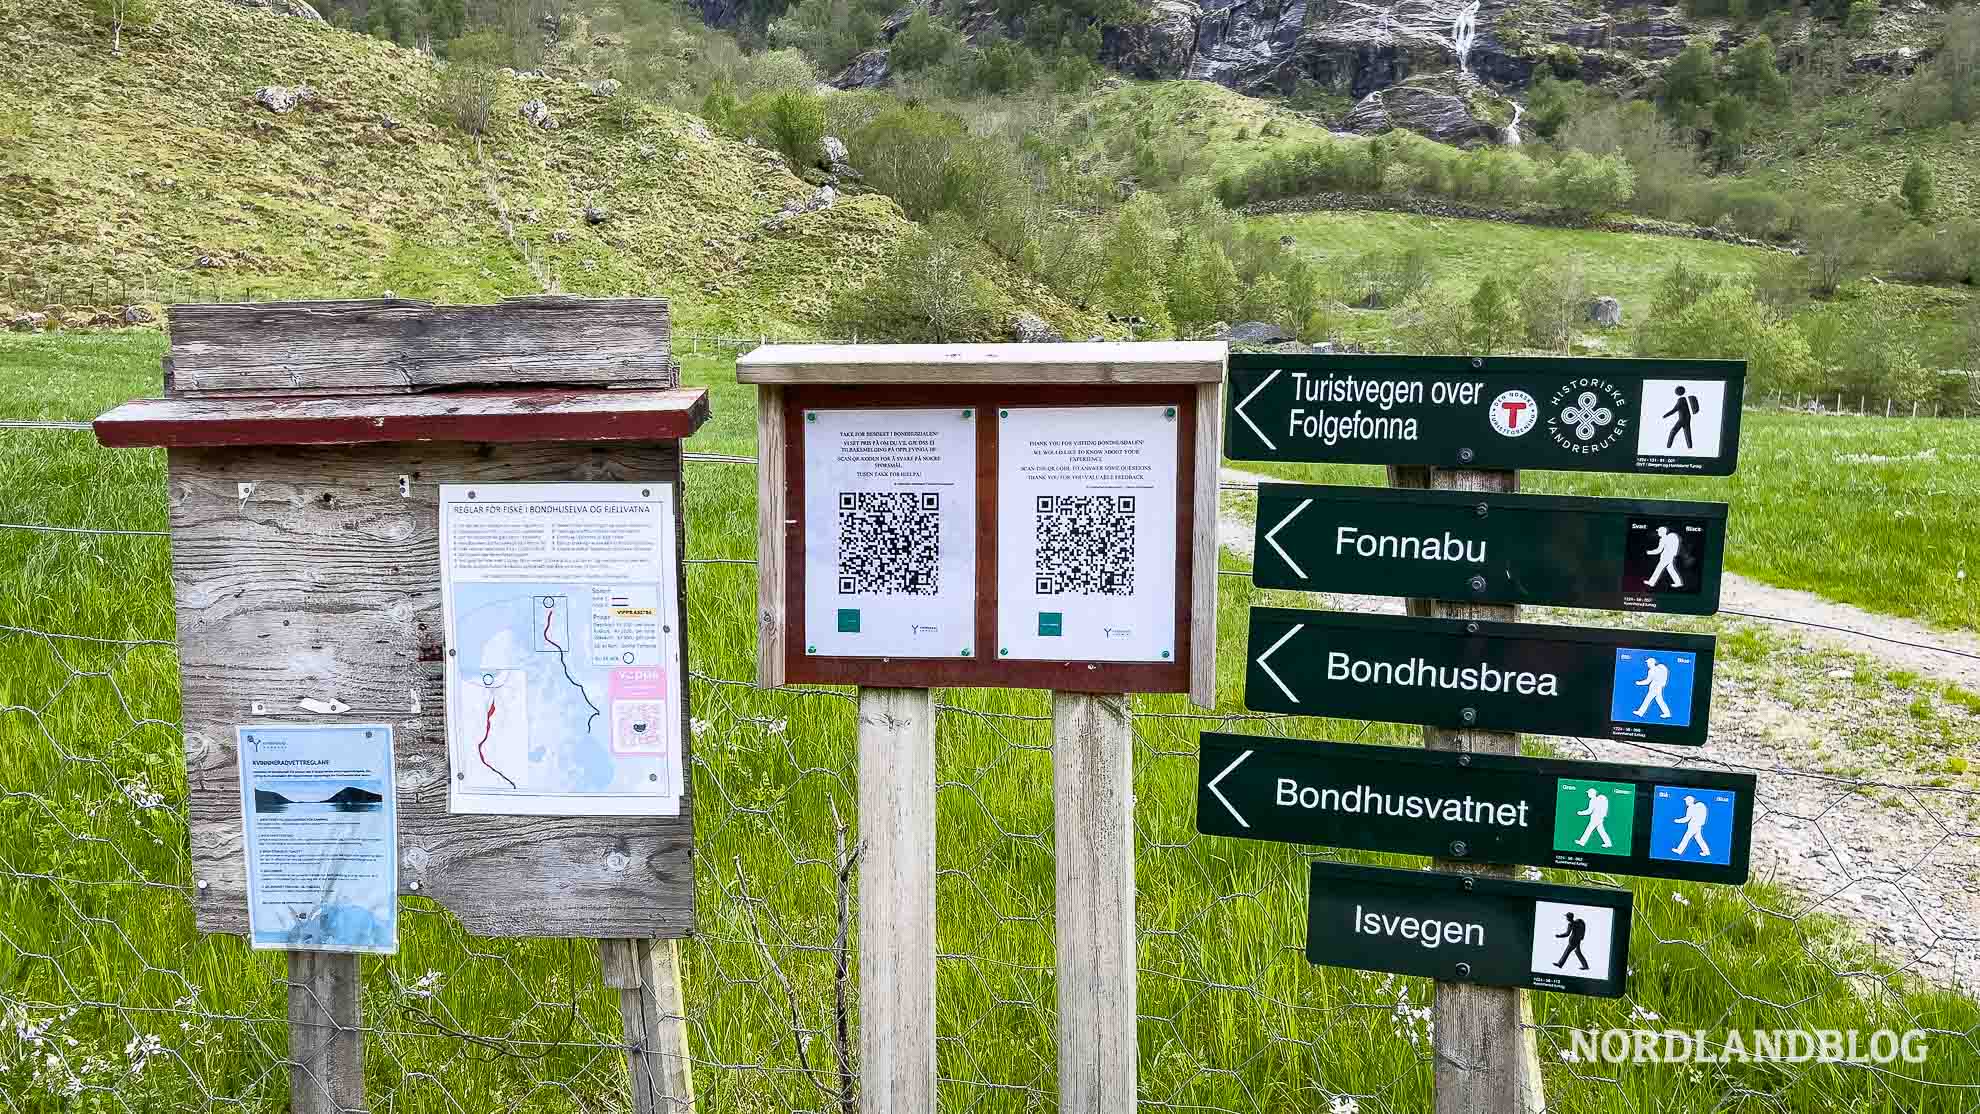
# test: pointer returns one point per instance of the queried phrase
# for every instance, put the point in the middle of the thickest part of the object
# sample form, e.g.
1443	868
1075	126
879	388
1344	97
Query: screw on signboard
1465	456
1469	715
1471	628
1469	885
1478	584
1464	760
1458	849
1483	510
1464	970
1477	361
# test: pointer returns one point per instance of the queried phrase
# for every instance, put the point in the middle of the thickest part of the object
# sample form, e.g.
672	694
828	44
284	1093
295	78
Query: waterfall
1512	129
1464	31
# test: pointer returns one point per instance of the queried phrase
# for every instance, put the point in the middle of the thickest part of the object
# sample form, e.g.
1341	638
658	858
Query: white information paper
320	828
890	533
564	673
1086	533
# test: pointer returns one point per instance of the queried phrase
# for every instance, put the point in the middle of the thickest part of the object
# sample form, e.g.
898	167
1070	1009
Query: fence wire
113	1002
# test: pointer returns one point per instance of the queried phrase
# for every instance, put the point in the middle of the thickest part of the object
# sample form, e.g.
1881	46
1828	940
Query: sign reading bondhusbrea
1571	414
1643	686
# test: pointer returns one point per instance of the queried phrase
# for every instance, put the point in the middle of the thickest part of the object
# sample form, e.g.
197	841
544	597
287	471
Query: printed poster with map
563	658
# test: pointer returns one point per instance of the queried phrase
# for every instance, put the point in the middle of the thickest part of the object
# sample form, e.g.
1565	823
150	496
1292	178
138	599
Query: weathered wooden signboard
308	446
1618	554
1654	821
1570	414
1468	928
1644	686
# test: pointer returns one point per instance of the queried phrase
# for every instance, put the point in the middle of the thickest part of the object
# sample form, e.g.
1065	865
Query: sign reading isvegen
1487	412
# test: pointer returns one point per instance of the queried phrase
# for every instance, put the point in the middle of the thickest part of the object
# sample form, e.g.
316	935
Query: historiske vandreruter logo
1587	415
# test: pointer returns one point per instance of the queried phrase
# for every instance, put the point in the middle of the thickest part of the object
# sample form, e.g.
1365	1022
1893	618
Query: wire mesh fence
112	1002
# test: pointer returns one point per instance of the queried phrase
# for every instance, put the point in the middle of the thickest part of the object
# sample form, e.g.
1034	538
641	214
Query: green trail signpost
1643	686
1652	821
1468	928
1617	554
1570	414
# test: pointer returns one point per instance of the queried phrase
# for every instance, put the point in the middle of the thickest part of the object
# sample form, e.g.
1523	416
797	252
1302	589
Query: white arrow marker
1239	409
1287	637
1272	538
322	707
1225	801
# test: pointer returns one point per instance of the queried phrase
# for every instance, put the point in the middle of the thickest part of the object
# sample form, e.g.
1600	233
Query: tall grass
96	937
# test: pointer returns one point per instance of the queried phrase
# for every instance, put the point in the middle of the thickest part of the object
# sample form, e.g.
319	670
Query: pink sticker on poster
639	706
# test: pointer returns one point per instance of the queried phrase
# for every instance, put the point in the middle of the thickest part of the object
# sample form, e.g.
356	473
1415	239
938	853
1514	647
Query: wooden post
897	901
326	1049
1093	806
1486	1057
647	975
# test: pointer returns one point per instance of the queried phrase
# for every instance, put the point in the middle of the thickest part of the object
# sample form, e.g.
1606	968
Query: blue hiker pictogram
1653	686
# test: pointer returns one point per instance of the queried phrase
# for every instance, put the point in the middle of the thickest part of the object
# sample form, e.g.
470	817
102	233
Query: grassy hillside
154	176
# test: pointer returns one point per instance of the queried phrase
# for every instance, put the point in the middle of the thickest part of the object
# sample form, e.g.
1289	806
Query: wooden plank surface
325	583
1093	852
994	364
399	344
653	1009
1204	551
1486	1056
897	901
772	623
326	1048
492	416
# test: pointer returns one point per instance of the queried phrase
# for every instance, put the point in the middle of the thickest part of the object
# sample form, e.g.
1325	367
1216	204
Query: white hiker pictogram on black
1666	551
1696	815
1655	676
1685	406
1574	933
1598	819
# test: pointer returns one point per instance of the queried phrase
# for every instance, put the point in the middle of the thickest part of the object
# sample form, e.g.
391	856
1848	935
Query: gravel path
1847	818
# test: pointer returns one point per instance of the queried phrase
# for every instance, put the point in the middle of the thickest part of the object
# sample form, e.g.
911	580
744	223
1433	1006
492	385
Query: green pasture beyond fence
112	1002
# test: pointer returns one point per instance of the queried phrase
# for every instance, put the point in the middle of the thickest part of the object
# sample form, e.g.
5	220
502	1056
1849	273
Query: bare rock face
604	87
538	114
1441	116
1029	328
868	71
296	8
1606	312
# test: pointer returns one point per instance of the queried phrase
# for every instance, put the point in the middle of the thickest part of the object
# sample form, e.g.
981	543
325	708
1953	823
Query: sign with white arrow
1643	686
1618	554
1653	821
1571	414
317	707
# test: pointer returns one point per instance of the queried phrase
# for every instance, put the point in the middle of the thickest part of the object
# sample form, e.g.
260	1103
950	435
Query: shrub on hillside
1865	352
1390	278
1495	316
1203	287
1918	189
776	71
925	41
792	123
1553	302
1265	300
1947	88
1134	275
1947	253
468	84
1726	322
1841	242
1588	184
1002	67
933	288
1434	322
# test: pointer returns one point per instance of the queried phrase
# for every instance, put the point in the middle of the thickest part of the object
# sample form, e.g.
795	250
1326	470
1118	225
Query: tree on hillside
1840	244
1495	323
1861	20
1690	83
1133	281
1203	286
1725	322
1265	300
118	13
1732	119
1917	189
1753	73
924	42
795	123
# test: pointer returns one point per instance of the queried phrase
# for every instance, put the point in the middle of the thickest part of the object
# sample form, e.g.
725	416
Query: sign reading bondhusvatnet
1589	415
890	532
1655	821
564	676
1643	686
1086	527
1469	928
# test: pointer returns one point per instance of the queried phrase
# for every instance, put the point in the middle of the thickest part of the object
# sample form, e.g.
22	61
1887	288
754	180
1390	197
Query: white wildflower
1680	898
1344	1105
424	986
699	727
140	1050
1568	1056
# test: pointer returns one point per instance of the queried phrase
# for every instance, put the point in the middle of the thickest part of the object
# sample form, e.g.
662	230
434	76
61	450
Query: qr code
890	542
1085	545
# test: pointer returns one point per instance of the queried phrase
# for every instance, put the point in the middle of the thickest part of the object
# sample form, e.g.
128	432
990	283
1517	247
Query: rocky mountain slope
233	151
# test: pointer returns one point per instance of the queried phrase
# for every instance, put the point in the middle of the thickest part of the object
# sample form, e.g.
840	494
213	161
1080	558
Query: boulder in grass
1606	312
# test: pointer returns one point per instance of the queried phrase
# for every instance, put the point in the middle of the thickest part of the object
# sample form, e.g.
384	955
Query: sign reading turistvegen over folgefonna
1569	414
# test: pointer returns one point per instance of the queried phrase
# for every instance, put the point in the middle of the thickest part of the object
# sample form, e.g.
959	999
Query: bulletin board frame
987	378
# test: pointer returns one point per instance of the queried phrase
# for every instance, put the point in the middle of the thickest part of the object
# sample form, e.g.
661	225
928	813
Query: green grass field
97	946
